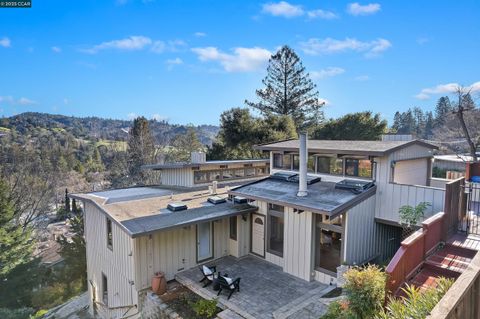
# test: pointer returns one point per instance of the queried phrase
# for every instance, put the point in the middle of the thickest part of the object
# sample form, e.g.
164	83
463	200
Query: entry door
204	241
258	235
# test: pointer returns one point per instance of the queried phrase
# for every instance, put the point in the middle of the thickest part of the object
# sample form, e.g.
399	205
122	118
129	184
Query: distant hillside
99	128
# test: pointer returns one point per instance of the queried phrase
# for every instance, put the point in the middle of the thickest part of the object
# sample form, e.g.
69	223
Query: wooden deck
472	241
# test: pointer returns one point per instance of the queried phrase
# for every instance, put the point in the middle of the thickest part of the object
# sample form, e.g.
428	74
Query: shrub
205	308
365	289
20	313
338	310
49	297
416	304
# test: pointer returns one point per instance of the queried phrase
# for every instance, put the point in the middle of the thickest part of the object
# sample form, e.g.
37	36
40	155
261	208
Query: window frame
320	224
109	228
233	171
272	212
104	289
233	227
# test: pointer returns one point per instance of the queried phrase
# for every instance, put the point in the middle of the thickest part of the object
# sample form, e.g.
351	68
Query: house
199	172
325	203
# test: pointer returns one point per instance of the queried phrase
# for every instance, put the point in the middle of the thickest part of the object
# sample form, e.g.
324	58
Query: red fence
413	251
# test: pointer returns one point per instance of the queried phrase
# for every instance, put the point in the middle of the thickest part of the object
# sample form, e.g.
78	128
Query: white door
204	241
258	235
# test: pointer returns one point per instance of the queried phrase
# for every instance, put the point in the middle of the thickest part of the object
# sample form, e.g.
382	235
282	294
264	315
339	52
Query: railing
413	251
462	299
455	206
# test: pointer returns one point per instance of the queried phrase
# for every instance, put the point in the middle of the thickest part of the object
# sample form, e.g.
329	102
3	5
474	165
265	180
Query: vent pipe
302	180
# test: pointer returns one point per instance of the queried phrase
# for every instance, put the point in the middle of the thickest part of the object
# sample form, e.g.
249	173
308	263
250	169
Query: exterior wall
412	172
177	177
450	165
360	233
173	251
116	264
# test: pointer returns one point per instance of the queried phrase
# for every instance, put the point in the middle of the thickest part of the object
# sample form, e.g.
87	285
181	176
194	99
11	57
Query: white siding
411	172
173	251
116	264
177	177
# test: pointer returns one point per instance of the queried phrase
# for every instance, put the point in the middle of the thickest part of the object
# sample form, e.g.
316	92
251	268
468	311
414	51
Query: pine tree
67	201
74	206
289	90
442	109
141	148
183	145
429	123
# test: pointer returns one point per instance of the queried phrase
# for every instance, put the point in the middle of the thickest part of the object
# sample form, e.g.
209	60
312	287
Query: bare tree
465	104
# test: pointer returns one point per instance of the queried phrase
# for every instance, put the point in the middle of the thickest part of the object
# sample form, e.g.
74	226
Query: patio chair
208	274
228	284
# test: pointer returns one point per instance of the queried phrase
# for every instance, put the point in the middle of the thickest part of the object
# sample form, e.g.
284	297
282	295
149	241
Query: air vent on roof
240	200
293	178
175	207
357	186
216	200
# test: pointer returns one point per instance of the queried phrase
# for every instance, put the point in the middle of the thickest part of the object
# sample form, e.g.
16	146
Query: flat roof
143	210
373	148
454	158
322	197
207	163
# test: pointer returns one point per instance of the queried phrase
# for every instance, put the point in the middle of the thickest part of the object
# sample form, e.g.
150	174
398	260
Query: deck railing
413	251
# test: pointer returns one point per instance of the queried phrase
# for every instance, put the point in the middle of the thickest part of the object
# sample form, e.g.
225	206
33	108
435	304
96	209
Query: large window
277	160
296	162
275	229
329	165
109	234
233	227
358	167
201	177
328	243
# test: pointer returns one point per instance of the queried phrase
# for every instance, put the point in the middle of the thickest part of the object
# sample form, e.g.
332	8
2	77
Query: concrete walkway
265	290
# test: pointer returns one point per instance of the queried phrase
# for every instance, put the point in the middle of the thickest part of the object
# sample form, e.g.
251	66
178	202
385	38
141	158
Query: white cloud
282	9
328	72
448	88
132	116
173	62
158	47
5	42
200	34
169	46
56	49
25	101
322	14
372	48
158	117
357	9
12	101
362	78
128	44
242	59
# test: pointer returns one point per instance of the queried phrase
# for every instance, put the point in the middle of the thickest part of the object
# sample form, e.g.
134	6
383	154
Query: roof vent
216	200
240	200
176	207
353	185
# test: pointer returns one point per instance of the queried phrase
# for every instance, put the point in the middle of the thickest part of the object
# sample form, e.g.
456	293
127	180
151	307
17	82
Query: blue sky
187	61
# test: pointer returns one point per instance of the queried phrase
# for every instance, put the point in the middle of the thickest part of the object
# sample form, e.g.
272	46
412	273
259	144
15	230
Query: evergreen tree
74	206
141	148
15	243
67	201
289	90
429	124
442	109
354	126
183	145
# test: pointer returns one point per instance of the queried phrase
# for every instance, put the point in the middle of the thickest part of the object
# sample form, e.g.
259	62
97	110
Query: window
287	162
109	234
239	173
233	227
328	243
227	174
275	229
277	160
250	172
296	162
358	167
200	177
104	289
311	164
215	175
329	165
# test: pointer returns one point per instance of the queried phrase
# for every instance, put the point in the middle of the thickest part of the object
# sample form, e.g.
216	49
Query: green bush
365	289
416	304
205	308
20	313
338	310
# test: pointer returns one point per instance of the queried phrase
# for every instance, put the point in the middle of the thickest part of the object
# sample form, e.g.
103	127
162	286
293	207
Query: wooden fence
462	300
455	209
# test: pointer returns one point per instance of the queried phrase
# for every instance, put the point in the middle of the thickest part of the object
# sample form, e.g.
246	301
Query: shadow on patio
265	290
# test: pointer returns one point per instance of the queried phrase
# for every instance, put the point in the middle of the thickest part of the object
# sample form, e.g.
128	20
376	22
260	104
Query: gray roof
372	148
322	196
133	193
166	220
184	165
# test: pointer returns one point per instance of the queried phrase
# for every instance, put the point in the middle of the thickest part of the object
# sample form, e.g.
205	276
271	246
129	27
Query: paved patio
265	290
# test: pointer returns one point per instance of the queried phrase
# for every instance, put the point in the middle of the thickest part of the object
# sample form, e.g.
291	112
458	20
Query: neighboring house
200	172
452	162
344	211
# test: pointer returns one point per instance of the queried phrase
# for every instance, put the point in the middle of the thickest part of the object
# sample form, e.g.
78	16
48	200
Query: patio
265	290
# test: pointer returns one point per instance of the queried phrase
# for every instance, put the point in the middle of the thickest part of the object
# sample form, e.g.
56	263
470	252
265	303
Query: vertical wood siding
177	177
117	265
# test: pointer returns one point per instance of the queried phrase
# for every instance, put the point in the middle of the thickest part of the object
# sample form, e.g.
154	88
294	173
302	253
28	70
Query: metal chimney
302	181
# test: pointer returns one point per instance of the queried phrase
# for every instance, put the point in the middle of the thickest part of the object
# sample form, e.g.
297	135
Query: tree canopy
289	90
141	148
182	145
353	126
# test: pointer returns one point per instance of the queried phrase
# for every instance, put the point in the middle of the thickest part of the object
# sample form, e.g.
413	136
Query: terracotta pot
159	283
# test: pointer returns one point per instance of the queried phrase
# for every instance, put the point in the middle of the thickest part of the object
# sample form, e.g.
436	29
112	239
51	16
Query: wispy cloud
448	88
322	14
200	34
282	9
56	49
132	43
422	40
171	63
5	42
12	101
370	49
362	78
326	73
241	60
168	46
356	9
